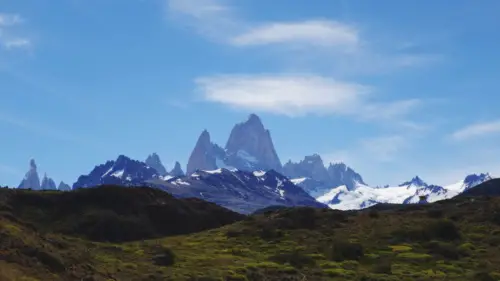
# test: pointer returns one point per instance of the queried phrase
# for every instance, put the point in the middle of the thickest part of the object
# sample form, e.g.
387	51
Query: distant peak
254	121
204	136
417	181
122	158
254	118
32	164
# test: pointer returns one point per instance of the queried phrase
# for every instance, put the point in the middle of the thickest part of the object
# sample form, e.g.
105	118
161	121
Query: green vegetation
449	240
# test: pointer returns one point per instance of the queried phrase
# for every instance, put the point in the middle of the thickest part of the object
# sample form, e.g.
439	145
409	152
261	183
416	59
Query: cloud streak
323	33
7	39
477	130
298	95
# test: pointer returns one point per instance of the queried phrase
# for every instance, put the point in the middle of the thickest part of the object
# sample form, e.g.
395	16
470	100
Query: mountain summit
154	162
250	147
31	179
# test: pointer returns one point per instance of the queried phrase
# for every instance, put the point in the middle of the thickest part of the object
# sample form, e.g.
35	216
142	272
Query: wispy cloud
8	39
477	130
210	18
10	19
345	48
312	32
297	95
385	148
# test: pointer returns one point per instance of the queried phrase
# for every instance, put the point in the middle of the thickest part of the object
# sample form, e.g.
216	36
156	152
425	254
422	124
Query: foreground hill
112	213
456	239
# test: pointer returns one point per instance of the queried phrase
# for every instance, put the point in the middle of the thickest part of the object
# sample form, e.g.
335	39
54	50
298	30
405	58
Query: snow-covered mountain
363	196
123	171
249	148
241	191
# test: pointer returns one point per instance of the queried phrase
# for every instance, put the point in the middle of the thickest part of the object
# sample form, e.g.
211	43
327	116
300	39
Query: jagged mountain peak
153	160
63	186
177	170
31	179
122	171
416	181
33	164
48	183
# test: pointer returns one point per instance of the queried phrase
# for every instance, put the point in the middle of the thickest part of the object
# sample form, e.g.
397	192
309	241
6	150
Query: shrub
165	258
444	230
344	250
373	214
445	250
269	233
295	259
435	213
383	267
483	276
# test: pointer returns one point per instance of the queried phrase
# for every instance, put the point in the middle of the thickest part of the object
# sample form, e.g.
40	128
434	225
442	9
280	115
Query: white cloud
17	43
7	40
312	32
10	19
296	95
477	130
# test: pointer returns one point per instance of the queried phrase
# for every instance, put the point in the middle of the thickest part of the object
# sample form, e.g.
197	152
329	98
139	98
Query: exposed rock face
241	191
205	155
124	171
31	179
64	187
341	174
311	167
48	183
250	147
177	170
154	162
317	180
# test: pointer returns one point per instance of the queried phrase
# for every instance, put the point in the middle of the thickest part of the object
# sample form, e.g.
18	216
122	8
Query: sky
392	88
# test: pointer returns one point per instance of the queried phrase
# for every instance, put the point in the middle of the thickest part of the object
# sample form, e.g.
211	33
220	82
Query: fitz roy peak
249	148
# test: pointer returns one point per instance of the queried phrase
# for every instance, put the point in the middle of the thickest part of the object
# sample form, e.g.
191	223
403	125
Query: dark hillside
489	188
112	213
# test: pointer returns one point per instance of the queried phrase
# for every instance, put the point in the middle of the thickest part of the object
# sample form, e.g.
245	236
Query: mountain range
246	175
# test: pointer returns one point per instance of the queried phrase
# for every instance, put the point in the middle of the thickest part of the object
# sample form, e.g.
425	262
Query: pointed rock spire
31	179
203	156
177	170
153	161
48	183
251	142
63	186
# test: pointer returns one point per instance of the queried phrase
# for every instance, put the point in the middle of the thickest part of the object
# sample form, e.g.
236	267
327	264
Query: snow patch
259	173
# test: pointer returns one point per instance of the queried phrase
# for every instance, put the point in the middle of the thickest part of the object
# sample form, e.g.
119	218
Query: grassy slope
451	240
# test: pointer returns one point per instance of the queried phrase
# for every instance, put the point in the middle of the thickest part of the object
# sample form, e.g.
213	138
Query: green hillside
455	239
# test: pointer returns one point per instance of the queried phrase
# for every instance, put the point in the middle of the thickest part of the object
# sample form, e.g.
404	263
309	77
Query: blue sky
392	88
